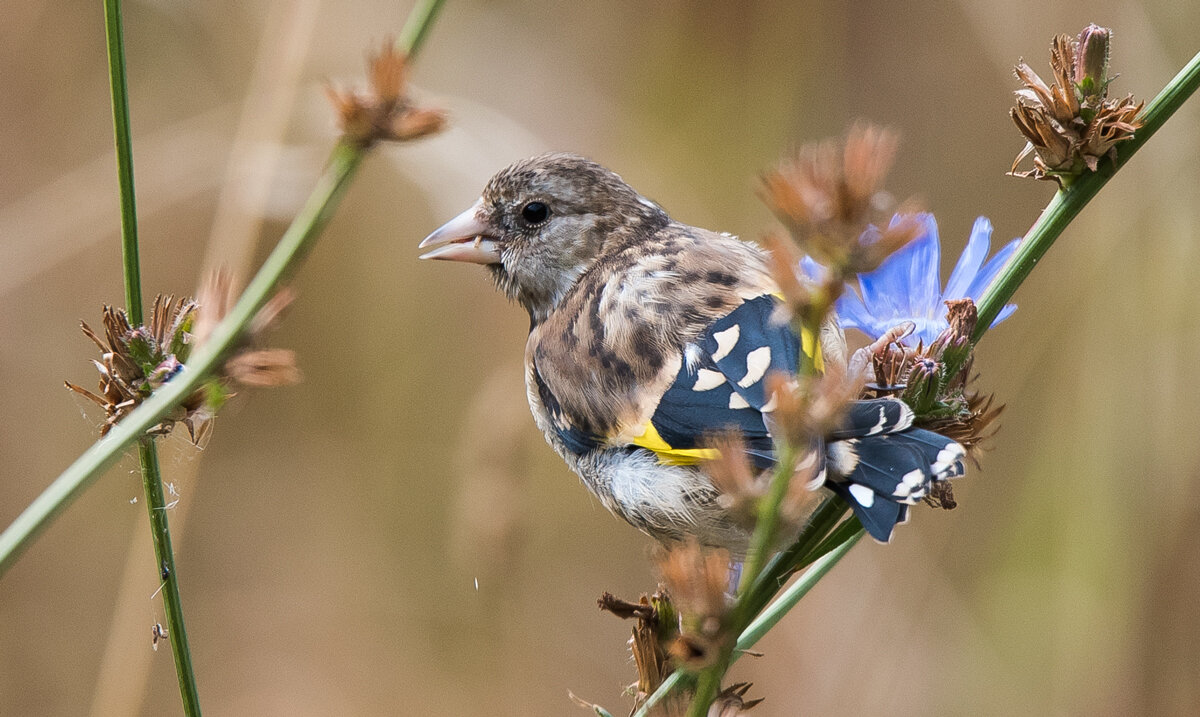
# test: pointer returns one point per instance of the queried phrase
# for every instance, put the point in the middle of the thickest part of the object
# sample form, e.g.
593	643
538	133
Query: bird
648	336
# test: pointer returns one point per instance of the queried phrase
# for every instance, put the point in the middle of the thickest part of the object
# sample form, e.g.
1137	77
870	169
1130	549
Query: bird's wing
615	344
721	385
875	459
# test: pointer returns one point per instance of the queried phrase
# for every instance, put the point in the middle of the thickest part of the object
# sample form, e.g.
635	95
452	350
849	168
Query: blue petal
924	270
991	269
972	258
927	330
852	314
1006	312
811	269
905	284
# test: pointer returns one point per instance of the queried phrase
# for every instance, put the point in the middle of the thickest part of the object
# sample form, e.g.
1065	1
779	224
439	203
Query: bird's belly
668	502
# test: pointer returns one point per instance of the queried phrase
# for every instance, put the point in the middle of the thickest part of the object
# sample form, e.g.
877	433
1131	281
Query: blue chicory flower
905	287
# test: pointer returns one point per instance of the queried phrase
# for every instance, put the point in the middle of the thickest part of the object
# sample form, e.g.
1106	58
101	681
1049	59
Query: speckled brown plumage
648	336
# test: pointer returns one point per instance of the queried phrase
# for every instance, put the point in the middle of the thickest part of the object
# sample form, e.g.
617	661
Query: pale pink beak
464	238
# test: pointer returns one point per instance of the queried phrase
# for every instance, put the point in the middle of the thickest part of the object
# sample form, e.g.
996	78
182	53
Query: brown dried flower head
384	111
655	629
943	402
136	360
739	485
828	195
248	365
1071	123
697	577
732	702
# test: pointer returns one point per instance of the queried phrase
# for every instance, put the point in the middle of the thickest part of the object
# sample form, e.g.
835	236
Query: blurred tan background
330	535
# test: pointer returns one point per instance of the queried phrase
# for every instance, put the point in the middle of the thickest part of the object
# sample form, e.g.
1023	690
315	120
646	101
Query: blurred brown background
330	535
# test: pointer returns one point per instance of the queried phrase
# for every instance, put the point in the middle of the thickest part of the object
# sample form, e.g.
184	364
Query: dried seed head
739	485
656	629
828	197
384	111
732	702
697	578
1072	124
137	360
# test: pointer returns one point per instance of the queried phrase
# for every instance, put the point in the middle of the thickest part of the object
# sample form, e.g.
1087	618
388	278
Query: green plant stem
754	592
164	556
1068	202
416	28
290	250
772	615
762	542
115	37
204	360
152	485
775	612
798	555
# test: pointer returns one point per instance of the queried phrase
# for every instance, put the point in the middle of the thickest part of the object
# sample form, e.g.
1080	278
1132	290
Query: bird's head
541	223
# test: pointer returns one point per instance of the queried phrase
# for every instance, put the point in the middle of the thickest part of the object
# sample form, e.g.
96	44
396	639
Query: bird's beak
464	238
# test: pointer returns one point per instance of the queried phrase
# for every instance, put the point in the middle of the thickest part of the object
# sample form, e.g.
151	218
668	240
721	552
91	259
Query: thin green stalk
416	28
147	452
798	555
769	617
164	556
762	542
204	360
773	614
1068	202
120	111
290	250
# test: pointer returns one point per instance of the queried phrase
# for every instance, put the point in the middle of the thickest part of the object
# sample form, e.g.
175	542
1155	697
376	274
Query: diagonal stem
1068	202
292	247
1063	208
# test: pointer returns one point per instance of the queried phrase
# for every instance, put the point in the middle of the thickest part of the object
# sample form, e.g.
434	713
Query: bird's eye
535	213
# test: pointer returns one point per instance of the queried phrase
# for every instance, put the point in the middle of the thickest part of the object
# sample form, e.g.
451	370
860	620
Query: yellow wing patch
808	342
672	456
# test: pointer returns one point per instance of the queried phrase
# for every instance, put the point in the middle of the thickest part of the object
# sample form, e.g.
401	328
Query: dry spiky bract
828	195
384	111
1071	124
697	578
943	402
732	702
655	631
136	360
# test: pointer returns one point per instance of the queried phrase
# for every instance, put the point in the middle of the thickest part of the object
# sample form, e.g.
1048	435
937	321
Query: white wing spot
864	495
843	457
950	455
736	401
726	340
882	422
909	482
707	379
757	362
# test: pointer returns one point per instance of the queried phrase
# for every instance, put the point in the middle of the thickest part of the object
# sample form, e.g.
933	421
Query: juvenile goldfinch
647	337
